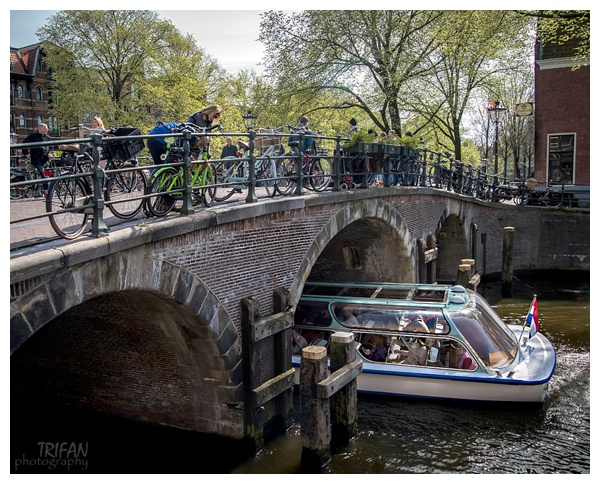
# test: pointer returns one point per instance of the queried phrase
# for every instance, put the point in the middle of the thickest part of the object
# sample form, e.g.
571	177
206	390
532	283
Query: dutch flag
532	318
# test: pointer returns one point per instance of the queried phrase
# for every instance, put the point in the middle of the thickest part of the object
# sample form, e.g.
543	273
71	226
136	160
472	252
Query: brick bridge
146	322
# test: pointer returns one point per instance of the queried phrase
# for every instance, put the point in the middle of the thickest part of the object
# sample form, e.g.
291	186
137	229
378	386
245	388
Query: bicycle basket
122	150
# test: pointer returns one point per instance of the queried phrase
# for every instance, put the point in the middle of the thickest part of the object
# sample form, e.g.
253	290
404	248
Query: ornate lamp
249	120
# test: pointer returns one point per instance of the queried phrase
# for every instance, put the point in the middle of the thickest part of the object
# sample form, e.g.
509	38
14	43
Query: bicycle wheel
124	189
550	198
222	170
209	192
433	179
286	168
163	180
320	174
264	176
64	195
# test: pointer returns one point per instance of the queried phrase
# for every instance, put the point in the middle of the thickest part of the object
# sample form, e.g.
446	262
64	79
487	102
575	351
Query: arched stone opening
365	241
452	248
134	354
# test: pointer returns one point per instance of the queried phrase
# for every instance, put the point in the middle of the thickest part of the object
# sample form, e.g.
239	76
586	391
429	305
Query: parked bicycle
70	198
317	166
167	184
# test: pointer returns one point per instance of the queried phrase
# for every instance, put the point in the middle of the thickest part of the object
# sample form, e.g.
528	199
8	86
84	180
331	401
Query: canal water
394	435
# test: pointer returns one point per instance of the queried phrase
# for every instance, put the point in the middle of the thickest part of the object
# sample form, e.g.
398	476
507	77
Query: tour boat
429	341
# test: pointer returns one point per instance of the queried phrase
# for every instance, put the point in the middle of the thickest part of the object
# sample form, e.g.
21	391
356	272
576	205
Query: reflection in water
394	435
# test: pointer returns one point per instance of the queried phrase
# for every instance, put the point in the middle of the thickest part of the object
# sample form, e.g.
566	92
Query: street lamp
495	111
249	120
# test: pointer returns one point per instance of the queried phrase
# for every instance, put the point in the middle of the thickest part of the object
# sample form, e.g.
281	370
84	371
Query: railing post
99	228
251	197
337	164
300	167
187	207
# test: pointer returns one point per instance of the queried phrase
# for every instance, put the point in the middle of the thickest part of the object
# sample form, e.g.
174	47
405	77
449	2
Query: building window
22	121
20	92
561	158
39	94
12	94
40	120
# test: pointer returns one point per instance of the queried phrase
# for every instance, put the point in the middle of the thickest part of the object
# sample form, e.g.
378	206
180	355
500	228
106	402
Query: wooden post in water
473	281
315	427
421	248
507	261
474	231
431	266
463	275
484	255
283	363
344	407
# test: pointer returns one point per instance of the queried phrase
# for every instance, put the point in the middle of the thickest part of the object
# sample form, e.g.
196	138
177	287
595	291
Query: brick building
562	117
30	92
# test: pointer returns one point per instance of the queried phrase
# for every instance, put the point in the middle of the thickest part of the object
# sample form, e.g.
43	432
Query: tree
364	56
477	46
560	27
120	63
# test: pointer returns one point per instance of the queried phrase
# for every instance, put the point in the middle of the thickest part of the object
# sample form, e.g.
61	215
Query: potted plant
359	142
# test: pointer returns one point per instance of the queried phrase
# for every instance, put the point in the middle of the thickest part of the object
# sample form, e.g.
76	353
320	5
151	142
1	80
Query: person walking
39	155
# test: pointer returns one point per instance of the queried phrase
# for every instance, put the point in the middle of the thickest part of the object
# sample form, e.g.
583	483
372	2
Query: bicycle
167	182
70	200
317	167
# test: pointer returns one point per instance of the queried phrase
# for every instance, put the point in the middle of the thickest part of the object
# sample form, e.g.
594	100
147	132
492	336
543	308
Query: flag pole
527	316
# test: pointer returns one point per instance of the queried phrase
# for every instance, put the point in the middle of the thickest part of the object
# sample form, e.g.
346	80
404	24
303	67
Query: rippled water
394	435
415	436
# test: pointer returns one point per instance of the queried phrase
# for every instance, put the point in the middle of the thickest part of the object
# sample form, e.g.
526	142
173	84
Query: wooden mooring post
466	275
428	253
328	401
508	248
278	390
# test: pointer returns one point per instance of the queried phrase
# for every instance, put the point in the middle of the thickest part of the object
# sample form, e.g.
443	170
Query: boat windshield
491	339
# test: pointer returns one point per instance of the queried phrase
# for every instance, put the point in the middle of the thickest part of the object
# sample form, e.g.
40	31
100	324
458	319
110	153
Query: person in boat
463	358
417	324
348	316
374	350
298	342
417	355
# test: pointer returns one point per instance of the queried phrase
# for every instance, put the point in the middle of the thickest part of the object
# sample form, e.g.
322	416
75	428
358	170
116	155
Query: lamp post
495	111
249	120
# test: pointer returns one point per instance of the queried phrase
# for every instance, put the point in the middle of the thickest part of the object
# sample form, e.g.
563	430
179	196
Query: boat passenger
374	350
463	358
417	354
298	342
417	324
348	316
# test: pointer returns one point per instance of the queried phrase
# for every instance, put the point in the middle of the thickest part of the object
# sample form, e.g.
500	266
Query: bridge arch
366	240
452	242
138	337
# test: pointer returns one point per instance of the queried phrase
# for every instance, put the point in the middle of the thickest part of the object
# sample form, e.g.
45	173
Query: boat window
429	295
431	352
487	334
392	293
388	318
312	313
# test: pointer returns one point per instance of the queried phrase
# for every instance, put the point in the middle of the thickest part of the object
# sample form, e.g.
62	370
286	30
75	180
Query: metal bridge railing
339	167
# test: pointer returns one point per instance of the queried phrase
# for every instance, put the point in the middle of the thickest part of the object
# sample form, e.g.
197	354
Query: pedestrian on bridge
39	155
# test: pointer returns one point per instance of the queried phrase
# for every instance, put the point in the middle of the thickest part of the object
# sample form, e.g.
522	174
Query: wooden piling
315	412
463	274
431	266
344	406
507	261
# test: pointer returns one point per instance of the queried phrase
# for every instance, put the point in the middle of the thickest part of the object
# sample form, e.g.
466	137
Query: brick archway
388	255
172	353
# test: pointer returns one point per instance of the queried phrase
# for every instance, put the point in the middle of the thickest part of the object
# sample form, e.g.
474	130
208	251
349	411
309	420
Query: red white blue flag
532	318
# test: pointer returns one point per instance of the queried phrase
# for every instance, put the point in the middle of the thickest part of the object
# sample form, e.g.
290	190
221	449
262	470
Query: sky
230	36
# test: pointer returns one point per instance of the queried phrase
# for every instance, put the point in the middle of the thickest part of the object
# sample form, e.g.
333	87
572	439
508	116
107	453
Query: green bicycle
166	184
